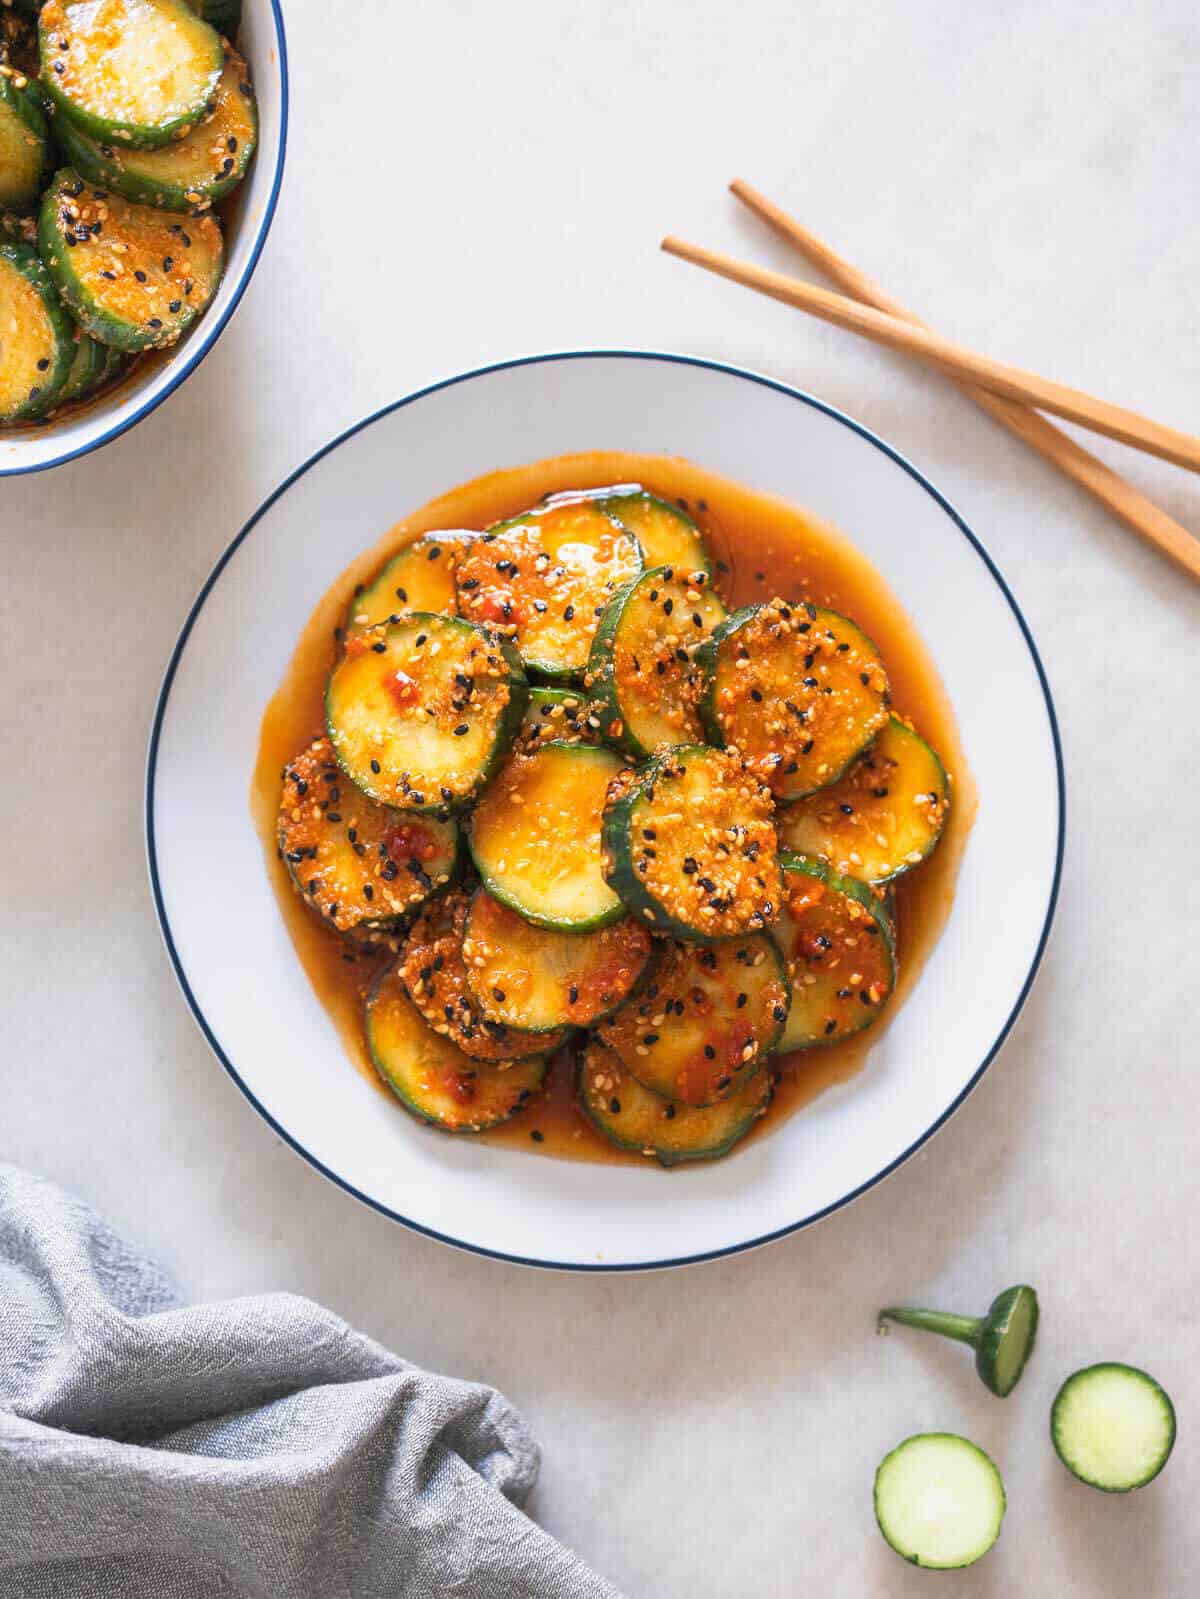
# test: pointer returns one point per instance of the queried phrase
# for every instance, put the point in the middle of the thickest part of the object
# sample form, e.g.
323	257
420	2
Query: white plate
261	40
232	953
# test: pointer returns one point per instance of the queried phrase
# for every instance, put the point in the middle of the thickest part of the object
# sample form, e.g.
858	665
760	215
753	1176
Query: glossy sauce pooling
765	547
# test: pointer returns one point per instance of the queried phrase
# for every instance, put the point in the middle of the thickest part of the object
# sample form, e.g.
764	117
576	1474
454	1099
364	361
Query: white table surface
467	182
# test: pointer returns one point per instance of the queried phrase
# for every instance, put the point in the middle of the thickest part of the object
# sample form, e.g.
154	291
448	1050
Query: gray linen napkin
256	1447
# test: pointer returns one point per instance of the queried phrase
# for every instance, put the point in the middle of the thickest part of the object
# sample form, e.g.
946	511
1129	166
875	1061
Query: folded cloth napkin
256	1447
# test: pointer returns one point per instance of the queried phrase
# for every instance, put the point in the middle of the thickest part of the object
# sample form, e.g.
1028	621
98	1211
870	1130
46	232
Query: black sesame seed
709	1052
463	727
569	613
537	1137
375	767
140	275
368	891
572	995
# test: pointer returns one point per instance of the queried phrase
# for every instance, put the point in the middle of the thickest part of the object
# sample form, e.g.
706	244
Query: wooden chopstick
1129	504
1010	381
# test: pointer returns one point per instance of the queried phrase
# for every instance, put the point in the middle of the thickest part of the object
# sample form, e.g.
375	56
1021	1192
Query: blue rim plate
40	449
493	1201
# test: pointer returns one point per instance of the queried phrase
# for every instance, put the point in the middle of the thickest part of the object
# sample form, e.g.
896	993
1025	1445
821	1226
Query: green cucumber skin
135	136
27	105
616	830
128	337
223	15
992	1336
93	368
31	267
601	678
88	157
1130	1371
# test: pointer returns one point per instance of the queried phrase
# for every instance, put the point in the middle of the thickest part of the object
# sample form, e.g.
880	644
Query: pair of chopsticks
1012	396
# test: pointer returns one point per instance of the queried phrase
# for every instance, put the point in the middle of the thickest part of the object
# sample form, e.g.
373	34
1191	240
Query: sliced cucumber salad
566	691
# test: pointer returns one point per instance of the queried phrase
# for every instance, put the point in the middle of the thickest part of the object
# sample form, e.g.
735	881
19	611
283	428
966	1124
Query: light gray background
471	181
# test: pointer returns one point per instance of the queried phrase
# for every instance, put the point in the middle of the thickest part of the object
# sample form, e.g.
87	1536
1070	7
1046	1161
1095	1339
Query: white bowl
232	953
33	449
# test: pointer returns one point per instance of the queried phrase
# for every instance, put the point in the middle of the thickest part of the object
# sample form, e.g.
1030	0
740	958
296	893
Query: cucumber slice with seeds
544	579
532	978
556	715
642	668
1113	1427
704	1020
189	174
939	1501
633	1117
434	972
24	139
836	940
142	72
422	712
800	692
419	578
133	277
883	817
432	1078
361	866
37	337
689	844
666	532
535	837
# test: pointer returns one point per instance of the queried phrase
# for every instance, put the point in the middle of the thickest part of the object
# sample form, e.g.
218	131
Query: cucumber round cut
557	715
689	844
187	175
434	972
535	837
89	368
1113	1426
138	72
419	578
836	941
24	139
666	532
37	337
431	1077
704	1019
635	1118
421	712
642	668
361	866
799	692
532	978
939	1501
134	278
545	578
883	817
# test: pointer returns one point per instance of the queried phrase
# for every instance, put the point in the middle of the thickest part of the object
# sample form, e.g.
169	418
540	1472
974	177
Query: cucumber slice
545	577
635	1118
556	715
88	370
666	532
642	668
704	1020
419	578
142	72
422	711
535	837
689	844
433	1079
37	337
434	972
189	174
1113	1427
836	940
134	278
361	866
529	977
1002	1340
883	817
800	692
24	139
939	1501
